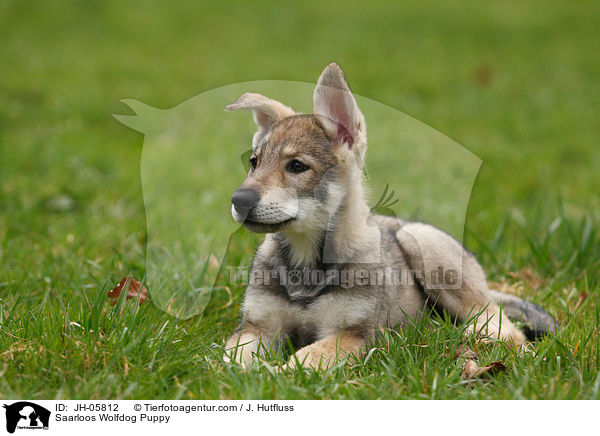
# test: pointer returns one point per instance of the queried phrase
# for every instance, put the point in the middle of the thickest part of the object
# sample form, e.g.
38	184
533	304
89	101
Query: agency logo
26	415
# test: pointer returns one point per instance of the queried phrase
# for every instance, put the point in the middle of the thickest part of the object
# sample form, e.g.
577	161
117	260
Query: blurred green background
514	82
517	83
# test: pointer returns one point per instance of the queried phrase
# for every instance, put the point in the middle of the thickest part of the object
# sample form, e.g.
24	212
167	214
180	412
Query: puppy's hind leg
452	279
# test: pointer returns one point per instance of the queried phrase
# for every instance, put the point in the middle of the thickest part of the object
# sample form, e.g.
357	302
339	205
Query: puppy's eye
253	163
296	166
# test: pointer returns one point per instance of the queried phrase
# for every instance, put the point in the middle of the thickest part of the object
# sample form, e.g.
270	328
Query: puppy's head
301	166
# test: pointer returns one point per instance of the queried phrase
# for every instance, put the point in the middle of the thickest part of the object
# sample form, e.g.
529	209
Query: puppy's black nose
244	199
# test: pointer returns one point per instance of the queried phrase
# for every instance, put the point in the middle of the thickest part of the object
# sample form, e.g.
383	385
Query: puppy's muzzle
243	200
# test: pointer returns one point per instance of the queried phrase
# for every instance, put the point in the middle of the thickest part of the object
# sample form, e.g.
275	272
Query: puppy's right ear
336	109
266	112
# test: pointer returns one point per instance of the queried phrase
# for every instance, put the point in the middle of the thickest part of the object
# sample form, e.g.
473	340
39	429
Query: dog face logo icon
26	415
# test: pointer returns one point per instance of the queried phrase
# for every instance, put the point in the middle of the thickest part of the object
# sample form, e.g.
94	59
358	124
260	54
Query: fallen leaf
464	352
472	369
135	290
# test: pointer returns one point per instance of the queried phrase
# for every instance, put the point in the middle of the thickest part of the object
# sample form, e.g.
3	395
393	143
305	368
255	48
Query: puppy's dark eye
253	163
296	166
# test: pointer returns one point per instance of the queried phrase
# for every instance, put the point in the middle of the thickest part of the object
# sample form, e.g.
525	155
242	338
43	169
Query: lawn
515	83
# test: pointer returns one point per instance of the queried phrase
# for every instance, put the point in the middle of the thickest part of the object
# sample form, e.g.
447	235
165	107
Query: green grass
516	83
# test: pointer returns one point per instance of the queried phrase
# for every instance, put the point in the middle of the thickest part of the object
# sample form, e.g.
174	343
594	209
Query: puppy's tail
536	321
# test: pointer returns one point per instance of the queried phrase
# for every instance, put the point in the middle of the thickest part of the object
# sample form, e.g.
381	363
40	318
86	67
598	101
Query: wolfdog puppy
330	274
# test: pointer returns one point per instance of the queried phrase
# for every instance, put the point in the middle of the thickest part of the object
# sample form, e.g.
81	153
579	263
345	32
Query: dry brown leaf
135	290
464	352
472	369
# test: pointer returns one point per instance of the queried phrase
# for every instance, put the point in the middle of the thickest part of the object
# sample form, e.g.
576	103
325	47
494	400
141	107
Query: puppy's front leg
326	351
243	343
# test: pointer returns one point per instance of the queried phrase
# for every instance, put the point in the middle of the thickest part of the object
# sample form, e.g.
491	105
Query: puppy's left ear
336	109
266	112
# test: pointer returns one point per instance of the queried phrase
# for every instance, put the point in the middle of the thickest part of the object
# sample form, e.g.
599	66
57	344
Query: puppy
330	273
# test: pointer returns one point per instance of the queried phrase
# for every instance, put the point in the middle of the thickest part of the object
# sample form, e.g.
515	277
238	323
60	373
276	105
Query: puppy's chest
324	316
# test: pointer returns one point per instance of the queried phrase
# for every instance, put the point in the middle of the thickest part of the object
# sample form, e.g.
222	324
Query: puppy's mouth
264	218
258	227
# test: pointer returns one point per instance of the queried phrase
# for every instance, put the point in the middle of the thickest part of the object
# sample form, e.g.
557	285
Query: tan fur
242	345
325	352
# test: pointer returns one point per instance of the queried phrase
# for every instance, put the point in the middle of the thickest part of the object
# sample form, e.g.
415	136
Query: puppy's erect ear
336	109
266	112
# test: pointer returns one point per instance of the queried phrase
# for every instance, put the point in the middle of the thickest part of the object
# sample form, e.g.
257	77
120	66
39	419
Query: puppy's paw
240	357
